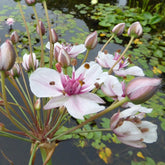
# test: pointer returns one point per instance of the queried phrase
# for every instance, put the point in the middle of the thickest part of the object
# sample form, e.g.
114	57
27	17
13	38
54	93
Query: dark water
67	153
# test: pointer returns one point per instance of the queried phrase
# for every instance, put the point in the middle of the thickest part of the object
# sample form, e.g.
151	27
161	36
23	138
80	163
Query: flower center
72	86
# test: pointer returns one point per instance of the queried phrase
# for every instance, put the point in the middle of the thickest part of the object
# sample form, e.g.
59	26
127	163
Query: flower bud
64	58
135	29
141	89
37	104
91	40
17	0
30	2
15	71
41	26
10	21
14	37
28	62
54	36
7	56
56	52
118	29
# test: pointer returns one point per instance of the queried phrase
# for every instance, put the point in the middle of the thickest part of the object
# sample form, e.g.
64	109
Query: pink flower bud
54	36
56	52
118	29
135	29
28	62
91	40
7	56
30	2
141	89
14	37
41	26
15	71
64	58
37	104
10	21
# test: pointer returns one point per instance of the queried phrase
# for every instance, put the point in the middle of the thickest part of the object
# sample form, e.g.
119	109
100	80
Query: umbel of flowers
57	94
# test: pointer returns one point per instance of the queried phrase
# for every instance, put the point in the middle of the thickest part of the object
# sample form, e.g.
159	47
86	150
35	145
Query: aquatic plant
56	91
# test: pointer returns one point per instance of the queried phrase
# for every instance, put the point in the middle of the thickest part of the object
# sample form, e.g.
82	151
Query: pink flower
72	50
71	92
10	21
131	130
107	60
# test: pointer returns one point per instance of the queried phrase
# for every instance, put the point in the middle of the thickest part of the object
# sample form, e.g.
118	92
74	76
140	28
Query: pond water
67	153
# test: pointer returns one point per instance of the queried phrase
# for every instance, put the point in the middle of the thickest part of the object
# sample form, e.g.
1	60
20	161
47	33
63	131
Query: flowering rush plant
60	90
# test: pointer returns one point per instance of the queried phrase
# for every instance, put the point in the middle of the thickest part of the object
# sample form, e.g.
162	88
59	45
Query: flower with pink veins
107	60
131	130
72	50
70	92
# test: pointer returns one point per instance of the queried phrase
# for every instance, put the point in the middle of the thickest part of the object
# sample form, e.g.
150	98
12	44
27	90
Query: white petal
137	144
134	71
112	86
48	45
83	104
129	131
151	135
56	102
76	50
40	82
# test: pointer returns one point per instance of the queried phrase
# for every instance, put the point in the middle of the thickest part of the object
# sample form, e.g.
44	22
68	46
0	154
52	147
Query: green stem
50	34
4	94
107	42
86	56
41	38
27	30
44	155
111	70
111	107
9	135
94	130
33	153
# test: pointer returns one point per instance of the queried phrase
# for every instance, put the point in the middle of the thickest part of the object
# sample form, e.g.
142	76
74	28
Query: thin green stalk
4	93
9	135
111	107
86	56
20	108
94	130
50	34
41	38
111	69
28	98
60	119
33	153
107	42
27	30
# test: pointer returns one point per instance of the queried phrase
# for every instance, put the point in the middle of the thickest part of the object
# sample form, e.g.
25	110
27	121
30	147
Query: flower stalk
27	30
50	34
122	55
41	38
